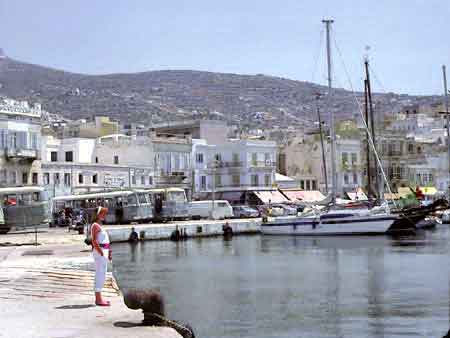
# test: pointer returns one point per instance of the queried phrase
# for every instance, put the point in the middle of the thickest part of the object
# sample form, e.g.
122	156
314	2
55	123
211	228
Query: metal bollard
152	304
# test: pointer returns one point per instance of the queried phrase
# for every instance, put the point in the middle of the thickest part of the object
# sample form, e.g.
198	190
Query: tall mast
332	131
372	125
366	118
447	119
324	162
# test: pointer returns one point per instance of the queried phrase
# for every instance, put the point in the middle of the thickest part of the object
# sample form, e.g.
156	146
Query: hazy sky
409	39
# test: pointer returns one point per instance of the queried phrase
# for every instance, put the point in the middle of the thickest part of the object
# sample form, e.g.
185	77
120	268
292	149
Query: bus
23	207
168	204
124	206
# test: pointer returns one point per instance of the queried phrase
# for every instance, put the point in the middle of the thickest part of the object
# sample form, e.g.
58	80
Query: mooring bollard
152	304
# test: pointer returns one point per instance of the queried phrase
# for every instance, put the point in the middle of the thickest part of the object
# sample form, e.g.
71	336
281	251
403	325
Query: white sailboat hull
314	226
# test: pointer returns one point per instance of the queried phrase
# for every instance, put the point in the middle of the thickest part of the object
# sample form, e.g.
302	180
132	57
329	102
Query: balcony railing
22	153
225	164
262	164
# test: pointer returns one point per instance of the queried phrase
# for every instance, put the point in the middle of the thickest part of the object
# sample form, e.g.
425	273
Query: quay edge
209	228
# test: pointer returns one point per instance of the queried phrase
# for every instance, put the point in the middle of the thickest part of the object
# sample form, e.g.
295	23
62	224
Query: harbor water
272	287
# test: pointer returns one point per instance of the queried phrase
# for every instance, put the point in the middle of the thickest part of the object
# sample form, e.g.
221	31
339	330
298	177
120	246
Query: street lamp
214	165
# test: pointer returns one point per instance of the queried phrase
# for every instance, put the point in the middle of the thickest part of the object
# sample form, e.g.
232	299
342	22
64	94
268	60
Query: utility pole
324	162
447	120
366	118
332	131
372	124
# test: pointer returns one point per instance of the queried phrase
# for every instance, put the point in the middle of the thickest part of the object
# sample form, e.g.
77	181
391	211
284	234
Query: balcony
22	153
262	165
223	164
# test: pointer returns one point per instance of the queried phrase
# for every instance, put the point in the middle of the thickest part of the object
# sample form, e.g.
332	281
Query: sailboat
332	221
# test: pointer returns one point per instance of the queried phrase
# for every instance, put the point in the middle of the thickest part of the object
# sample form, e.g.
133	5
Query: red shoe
103	303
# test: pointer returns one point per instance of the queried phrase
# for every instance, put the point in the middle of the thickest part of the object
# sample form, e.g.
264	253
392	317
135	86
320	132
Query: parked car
205	209
243	211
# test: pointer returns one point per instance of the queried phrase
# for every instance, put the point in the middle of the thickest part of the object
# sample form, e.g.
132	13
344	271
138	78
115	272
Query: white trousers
101	266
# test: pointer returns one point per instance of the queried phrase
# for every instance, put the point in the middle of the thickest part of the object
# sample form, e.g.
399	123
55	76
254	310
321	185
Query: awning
429	191
271	197
305	196
357	196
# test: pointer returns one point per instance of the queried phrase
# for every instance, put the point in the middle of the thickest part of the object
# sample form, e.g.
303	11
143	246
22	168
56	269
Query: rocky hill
158	96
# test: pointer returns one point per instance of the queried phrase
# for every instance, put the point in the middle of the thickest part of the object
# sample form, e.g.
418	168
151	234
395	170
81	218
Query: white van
204	209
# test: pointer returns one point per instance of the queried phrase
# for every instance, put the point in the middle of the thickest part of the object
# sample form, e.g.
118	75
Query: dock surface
46	291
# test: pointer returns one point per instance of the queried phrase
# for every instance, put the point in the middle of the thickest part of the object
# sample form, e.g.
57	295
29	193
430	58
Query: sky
408	39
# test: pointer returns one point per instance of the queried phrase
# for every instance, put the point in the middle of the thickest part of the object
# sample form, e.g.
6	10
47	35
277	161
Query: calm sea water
272	287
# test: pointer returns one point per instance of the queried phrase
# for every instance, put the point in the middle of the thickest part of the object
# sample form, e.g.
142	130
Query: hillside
157	96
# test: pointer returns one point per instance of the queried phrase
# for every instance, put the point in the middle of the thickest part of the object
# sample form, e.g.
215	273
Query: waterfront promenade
46	291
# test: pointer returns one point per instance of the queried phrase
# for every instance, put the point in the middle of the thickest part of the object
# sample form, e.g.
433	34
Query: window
314	185
302	184
54	156
267	180
254	159
354	159
56	178
345	179
69	156
344	159
67	180
218	157
267	158
355	178
116	159
410	148
236	179
133	179
308	185
199	158
236	158
94	179
203	182
34	178
254	179
46	178
80	178
3	176
143	180
218	180
24	178
150	180
13	177
96	159
131	199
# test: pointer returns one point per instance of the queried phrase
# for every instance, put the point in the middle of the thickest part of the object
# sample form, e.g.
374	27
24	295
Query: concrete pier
202	228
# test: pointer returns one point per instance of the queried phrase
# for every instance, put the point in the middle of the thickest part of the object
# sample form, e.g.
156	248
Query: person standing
101	251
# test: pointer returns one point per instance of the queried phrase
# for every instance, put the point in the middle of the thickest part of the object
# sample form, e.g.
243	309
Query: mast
324	162
447	119
366	118
372	125
328	23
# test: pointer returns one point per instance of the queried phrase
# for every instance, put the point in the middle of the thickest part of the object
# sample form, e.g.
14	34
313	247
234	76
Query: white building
349	170
235	165
20	141
72	165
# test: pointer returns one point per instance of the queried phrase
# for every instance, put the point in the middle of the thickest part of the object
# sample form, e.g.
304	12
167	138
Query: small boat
429	223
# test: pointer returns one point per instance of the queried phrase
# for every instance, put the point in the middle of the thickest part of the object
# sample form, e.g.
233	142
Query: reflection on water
261	286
